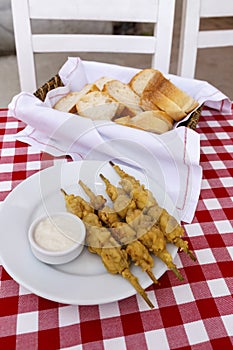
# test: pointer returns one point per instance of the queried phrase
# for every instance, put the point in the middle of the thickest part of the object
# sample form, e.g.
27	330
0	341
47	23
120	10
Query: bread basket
55	82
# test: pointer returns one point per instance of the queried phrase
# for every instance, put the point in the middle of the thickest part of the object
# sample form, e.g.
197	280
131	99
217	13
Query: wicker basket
56	82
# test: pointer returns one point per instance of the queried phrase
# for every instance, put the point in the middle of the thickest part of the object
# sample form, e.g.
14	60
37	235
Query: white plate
85	280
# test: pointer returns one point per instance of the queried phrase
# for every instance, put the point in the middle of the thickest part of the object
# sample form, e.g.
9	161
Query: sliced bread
155	97
97	105
156	91
68	102
122	93
181	98
99	83
140	80
154	121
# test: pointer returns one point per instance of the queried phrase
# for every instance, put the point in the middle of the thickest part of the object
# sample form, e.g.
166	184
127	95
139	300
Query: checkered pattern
194	314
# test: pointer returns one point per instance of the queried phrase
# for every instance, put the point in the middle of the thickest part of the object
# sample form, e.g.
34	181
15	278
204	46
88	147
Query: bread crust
157	92
182	99
162	102
162	93
153	121
139	80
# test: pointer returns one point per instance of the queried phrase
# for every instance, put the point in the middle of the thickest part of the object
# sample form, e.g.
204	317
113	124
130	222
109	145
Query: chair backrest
193	38
160	13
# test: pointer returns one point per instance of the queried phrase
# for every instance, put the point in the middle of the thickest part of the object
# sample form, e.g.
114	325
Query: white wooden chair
158	12
193	38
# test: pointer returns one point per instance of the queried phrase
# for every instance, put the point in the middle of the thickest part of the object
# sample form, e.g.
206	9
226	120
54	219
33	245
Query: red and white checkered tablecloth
194	314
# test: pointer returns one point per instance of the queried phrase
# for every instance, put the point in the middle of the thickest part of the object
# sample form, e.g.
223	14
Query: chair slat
216	8
93	43
101	10
220	38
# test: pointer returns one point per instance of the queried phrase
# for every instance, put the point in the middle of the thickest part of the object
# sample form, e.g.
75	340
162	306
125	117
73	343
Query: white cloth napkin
171	159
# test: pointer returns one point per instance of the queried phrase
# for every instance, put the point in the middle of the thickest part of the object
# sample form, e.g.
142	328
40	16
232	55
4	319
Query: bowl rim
59	253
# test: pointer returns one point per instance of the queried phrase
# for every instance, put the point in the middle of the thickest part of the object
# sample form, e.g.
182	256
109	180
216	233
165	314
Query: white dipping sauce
57	233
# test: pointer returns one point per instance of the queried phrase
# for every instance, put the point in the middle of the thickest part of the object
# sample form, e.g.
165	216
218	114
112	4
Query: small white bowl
57	238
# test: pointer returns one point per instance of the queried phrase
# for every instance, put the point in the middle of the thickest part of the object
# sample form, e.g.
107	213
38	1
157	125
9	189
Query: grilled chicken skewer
148	233
145	201
101	242
124	234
